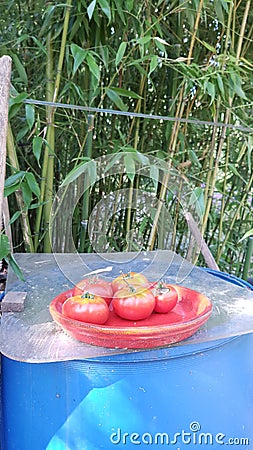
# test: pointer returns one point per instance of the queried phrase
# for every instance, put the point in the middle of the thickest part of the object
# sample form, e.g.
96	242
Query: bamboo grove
191	60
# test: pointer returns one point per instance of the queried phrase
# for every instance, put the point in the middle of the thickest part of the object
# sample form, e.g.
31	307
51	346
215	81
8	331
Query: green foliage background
184	59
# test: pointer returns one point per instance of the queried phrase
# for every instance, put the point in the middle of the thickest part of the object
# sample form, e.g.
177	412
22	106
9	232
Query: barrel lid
32	336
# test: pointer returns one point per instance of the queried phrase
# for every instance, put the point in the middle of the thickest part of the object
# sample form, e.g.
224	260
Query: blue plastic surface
187	397
110	403
228	277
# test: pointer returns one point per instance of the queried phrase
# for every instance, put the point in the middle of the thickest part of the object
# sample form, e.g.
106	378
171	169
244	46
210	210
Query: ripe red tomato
133	279
96	286
135	305
166	298
86	308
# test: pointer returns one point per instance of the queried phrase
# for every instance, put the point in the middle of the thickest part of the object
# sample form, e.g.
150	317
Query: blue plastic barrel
182	397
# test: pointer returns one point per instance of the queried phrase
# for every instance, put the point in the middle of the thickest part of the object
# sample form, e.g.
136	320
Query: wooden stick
5	77
208	257
7	226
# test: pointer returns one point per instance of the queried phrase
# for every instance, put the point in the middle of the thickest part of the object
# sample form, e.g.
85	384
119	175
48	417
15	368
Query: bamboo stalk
248	256
51	134
174	137
238	53
195	30
49	96
242	30
25	224
231	225
86	194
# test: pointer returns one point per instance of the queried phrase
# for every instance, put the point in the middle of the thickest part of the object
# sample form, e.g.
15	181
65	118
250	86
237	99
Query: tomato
86	308
133	304
166	298
96	286
133	279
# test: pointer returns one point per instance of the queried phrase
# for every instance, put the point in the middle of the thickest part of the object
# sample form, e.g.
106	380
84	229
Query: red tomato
133	305
86	308
166	298
96	286
133	279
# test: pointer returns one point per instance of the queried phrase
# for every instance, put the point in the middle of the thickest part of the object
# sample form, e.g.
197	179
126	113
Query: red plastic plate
191	312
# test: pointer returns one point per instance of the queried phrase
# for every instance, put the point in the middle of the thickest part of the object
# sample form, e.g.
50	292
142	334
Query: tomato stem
87	295
130	286
161	287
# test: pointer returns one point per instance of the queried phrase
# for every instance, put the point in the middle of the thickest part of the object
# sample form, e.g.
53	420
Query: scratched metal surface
33	336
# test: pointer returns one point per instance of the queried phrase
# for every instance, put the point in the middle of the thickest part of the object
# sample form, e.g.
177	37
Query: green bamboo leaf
9	190
93	66
76	26
104	5
136	62
116	99
37	147
104	52
126	93
154	175
249	151
15	104
29	114
236	84
114	160
20	68
161	45
142	158
26	193
90	9
4	246
219	11
129	5
153	64
75	173
17	99
40	45
121	13
144	40
194	158
92	171
79	55
239	91
37	205
197	200
15	267
220	85
32	183
129	166
144	223
15	216
246	235
22	132
235	171
14	179
120	53
225	4
210	89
